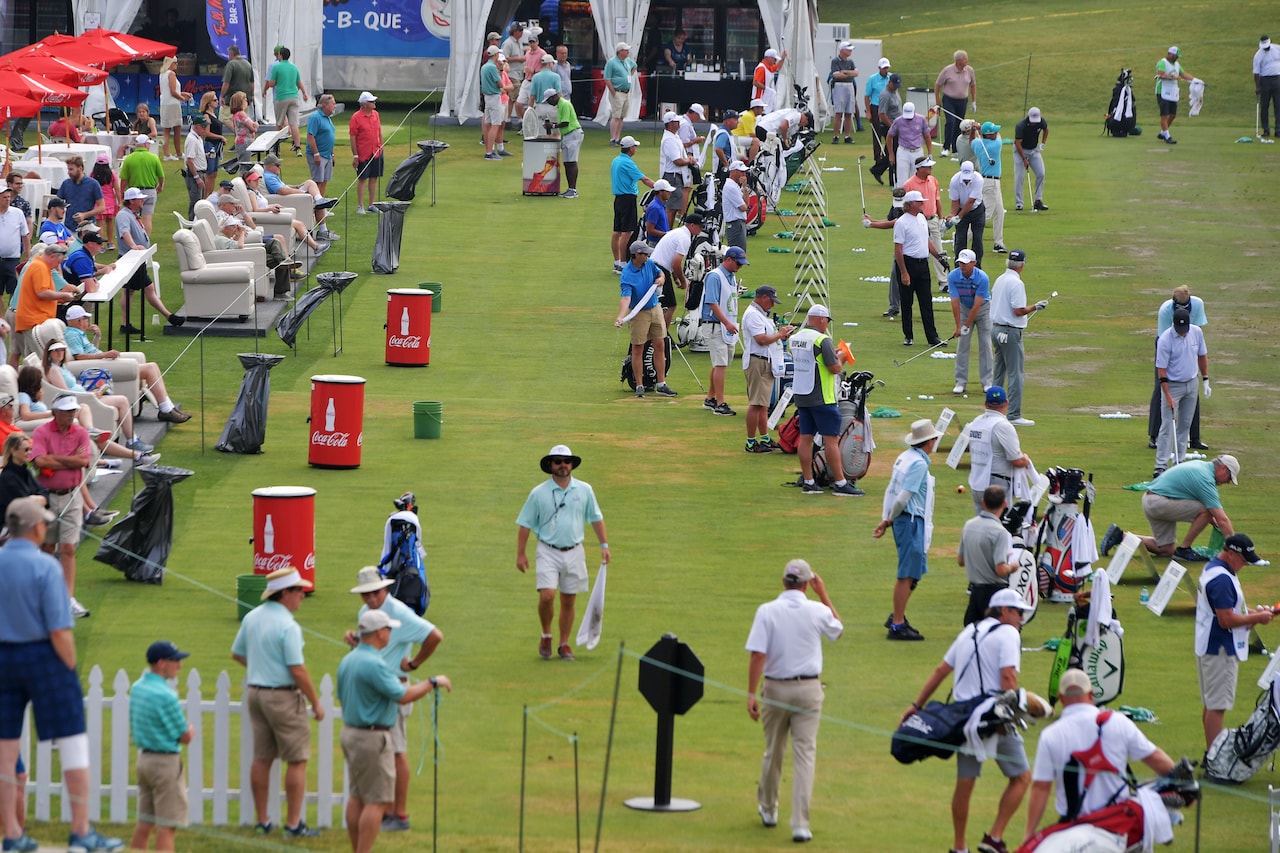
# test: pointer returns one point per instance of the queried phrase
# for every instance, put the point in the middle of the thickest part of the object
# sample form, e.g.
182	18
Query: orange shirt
365	130
929	189
32	310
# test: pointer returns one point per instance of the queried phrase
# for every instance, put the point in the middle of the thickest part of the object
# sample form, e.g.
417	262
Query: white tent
789	24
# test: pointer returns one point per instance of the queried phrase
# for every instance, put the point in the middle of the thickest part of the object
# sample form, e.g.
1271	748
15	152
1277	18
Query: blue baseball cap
736	254
996	396
164	650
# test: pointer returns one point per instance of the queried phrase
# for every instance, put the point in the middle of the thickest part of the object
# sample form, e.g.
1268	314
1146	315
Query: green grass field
524	356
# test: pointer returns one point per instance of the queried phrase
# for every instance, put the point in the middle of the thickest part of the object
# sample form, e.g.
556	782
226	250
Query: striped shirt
156	720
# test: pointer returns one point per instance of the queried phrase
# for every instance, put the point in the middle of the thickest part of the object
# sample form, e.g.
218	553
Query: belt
558	548
61	491
370	728
157	752
1002	477
762	357
1007	326
10	260
708	322
265	687
793	678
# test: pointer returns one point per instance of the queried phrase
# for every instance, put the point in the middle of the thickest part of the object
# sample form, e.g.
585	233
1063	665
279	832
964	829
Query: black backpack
403	564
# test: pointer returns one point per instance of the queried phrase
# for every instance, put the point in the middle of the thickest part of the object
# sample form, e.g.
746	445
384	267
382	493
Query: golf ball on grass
959	490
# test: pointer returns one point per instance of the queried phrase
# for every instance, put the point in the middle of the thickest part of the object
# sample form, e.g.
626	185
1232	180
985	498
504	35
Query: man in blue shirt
275	185
320	138
371	692
725	154
81	266
641	282
624	174
159	728
656	222
555	513
986	155
82	193
720	312
56	222
1223	623
970	290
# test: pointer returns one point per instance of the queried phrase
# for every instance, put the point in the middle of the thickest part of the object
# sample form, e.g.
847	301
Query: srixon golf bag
856	442
1065	545
1018	520
1236	754
1122	115
650	374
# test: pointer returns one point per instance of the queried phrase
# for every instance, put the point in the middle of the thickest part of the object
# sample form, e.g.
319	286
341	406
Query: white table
63	150
110	283
34	190
119	145
51	169
267	140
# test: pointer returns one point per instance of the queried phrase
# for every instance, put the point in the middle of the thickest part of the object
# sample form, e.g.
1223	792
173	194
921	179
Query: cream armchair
255	254
206	212
271	223
123	370
222	290
104	416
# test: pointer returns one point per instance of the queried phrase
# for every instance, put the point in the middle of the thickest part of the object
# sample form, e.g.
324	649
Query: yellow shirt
746	124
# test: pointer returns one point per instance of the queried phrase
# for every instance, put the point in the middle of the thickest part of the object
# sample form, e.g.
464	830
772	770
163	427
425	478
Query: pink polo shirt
74	442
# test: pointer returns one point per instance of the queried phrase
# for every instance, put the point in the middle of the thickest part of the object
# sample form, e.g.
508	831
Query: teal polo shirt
413	629
1191	480
368	688
271	640
557	516
156	720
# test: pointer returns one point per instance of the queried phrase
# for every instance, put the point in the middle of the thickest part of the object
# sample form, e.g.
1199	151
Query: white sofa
224	290
255	254
125	379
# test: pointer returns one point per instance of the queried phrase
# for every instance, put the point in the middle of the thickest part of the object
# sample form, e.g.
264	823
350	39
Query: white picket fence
209	783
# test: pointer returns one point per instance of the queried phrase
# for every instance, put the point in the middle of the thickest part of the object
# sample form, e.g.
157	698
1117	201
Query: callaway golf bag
650	373
856	443
1065	545
1103	663
1018	520
1236	754
1122	114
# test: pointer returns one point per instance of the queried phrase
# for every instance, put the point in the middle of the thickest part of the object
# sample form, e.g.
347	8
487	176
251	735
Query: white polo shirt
756	322
13	227
789	632
913	233
672	149
999	647
1007	293
964	192
674	243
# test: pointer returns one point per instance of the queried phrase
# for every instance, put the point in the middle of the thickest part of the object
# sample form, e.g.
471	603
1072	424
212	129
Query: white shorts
842	98
570	145
493	109
721	352
562	570
525	88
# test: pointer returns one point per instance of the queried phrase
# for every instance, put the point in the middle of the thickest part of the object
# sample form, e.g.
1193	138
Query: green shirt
156	720
142	169
566	113
270	640
286	77
368	688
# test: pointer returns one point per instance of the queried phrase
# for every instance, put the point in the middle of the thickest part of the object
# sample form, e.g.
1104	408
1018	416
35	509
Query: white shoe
959	389
360	211
78	610
801	835
1022	422
768	818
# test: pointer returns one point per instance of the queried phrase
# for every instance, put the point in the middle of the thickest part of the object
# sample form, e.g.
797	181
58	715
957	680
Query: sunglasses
561	461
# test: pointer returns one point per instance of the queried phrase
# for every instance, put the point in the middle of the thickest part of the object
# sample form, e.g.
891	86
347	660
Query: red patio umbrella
108	48
44	63
13	105
42	90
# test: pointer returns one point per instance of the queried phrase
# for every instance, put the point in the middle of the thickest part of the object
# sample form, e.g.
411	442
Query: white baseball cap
848	45
737	166
75	312
966	256
669	117
661	185
818	310
367	97
772	54
912	195
142	139
621	46
1034	113
884	62
133	193
697	109
908	110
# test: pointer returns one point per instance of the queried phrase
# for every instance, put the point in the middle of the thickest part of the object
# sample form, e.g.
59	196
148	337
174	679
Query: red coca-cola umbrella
13	105
42	90
45	64
108	48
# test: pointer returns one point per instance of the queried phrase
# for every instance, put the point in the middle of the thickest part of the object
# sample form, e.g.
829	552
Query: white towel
1157	828
928	513
593	619
1195	95
1084	545
1028	484
981	748
868	442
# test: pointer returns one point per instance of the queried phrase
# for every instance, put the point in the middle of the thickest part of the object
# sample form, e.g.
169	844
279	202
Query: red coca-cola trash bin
337	421
409	327
284	530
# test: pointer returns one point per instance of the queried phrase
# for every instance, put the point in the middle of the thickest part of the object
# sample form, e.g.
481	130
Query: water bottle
404	321
1145	596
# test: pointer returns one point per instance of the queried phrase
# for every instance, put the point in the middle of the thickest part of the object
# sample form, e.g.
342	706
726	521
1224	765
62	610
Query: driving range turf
524	356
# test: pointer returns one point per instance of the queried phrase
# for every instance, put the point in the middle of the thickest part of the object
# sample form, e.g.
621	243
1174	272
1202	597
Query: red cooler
337	420
284	530
408	327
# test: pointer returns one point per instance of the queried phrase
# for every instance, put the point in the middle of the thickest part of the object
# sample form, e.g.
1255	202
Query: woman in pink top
110	182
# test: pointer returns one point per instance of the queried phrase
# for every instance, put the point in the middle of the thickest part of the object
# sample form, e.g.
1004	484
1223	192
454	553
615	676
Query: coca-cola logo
264	564
330	439
405	341
310	563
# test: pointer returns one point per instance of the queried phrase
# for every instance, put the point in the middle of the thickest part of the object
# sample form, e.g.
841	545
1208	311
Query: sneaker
1199	445
297	152
768	818
665	390
938	342
1190	555
177	320
959	389
395	823
848	490
992	845
905	632
328	236
492	155
296	275
360	211
709	404
1017	207
78	610
544	647
799	836
616	143
640	391
505	153
1113	537
24	843
566	652
301	831
1155	475
723	409
263	828
97	518
999	249
1171	140
1039	205
835	140
138	445
946	152
1022	422
773	445
171	158
325	203
758	447
129	329
908	343
173	416
92	840
569	193
848	140
812	489
146	459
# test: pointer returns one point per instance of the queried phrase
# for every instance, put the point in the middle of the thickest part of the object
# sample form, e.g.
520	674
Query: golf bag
856	442
705	254
1018	519
937	729
403	561
1065	545
650	374
1236	754
1122	114
774	166
1104	663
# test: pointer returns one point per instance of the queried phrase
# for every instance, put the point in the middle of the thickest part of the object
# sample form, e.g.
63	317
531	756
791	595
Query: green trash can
249	589
435	287
428	418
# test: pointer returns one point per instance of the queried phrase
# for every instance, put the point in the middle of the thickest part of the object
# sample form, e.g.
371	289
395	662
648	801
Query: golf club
1034	313
941	343
677	349
861	192
1031	201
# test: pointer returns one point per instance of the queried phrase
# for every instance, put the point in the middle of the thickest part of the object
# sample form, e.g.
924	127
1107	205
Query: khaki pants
802	725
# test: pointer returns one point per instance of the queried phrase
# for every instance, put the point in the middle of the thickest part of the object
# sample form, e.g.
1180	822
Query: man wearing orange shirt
762	79
38	300
365	129
924	181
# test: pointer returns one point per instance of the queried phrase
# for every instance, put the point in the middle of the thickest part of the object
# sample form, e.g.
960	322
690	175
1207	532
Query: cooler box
284	530
337	421
409	327
541	166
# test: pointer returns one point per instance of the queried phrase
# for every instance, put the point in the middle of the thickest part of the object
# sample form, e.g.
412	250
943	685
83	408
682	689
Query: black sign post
671	680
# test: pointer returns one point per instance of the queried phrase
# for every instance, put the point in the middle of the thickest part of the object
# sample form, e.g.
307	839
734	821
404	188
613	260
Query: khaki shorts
493	109
1218	674
162	789
759	381
149	203
287	112
721	353
648	325
618	102
1163	514
400	731
69	510
562	570
280	725
371	765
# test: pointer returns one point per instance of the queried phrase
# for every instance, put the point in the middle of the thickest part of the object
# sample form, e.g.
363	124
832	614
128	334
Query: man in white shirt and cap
1266	84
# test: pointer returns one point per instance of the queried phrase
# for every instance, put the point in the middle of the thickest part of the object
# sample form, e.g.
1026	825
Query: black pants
921	289
19	128
954	114
979	598
974	222
1269	98
882	152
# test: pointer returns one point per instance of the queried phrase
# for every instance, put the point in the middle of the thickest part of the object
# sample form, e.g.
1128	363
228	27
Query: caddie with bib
1223	622
719	312
815	398
908	508
762	361
994	450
